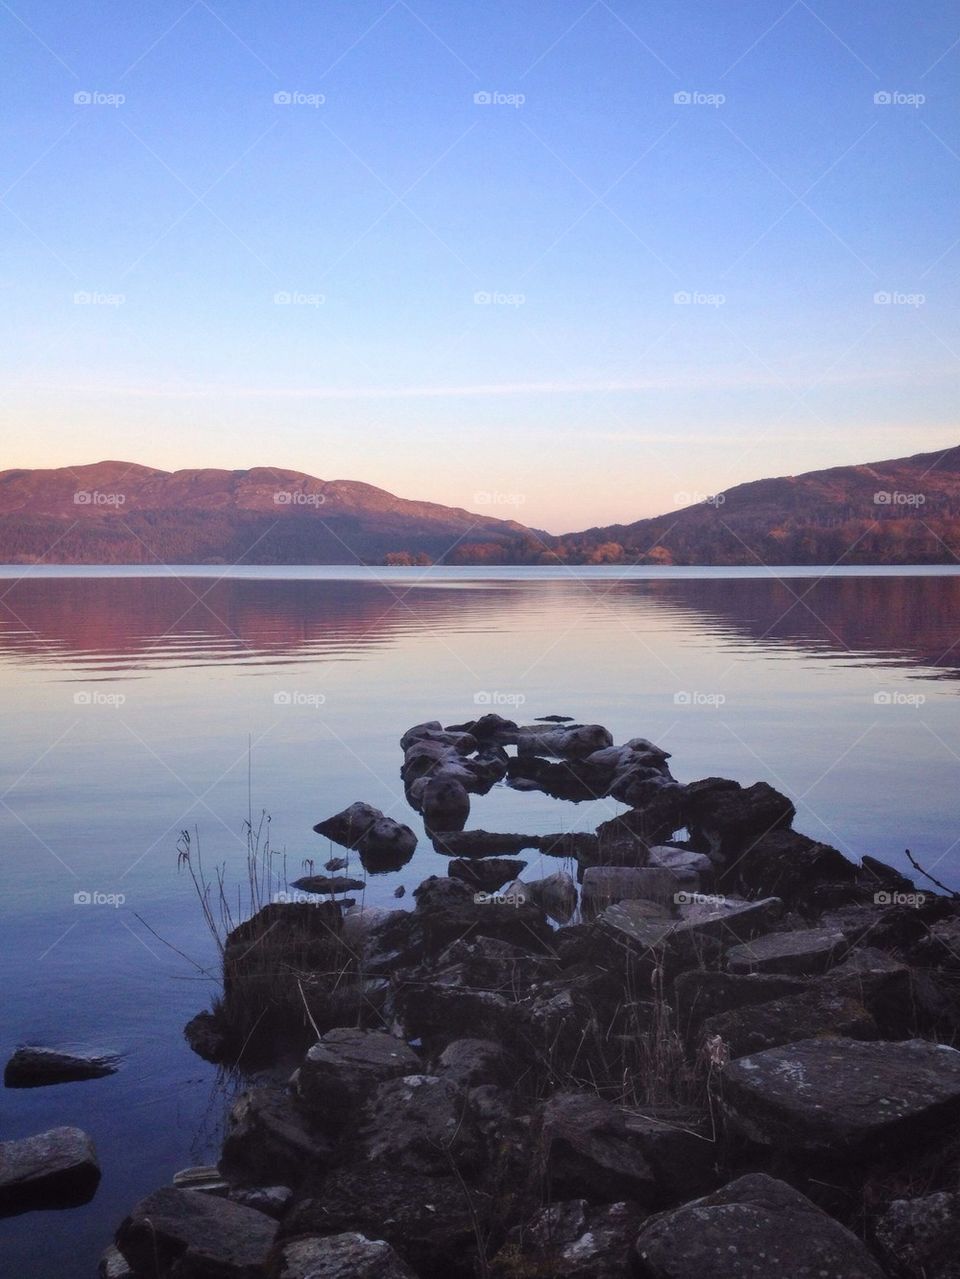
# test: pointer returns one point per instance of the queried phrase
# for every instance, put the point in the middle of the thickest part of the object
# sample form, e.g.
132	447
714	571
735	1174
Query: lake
136	704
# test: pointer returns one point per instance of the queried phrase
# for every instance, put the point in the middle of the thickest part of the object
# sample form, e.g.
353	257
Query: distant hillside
905	511
119	513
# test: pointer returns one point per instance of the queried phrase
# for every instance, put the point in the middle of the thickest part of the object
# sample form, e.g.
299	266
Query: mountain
121	513
904	511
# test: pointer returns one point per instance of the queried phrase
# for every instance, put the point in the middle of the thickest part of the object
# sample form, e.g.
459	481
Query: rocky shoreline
720	1048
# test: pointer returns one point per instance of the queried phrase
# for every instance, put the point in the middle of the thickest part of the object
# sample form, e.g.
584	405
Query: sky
582	261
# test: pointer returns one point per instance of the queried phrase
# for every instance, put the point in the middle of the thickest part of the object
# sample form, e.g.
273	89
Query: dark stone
884	986
471	1062
571	1240
346	1256
182	1233
810	1013
445	804
270	1136
481	843
206	1037
801	953
843	1098
344	1067
920	1238
328	884
575	780
782	863
725	816
365	828
602	1152
54	1169
487	874
33	1067
754	1228
421	1123
699	995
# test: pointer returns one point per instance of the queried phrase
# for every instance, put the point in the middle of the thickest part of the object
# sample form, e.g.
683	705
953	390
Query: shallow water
136	704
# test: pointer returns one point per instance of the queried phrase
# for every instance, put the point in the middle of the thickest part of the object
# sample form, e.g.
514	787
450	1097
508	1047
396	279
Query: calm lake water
128	699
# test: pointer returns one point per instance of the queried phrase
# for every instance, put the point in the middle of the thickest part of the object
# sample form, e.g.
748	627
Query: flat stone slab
196	1234
800	954
843	1097
34	1067
55	1169
347	1256
754	1228
722	918
344	1066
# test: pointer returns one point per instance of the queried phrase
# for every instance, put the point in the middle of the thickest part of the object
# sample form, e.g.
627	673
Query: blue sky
485	296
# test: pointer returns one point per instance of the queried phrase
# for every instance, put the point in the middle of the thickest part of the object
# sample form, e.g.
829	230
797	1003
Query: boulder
207	1037
724	816
347	1256
601	1152
699	995
681	861
420	731
719	919
573	741
421	1123
445	804
183	1233
472	1062
33	1067
783	863
328	884
273	1200
486	874
885	986
920	1238
571	1240
843	1098
817	1012
481	843
344	1067
753	1228
365	828
556	895
269	1136
570	779
800	953
605	885
54	1169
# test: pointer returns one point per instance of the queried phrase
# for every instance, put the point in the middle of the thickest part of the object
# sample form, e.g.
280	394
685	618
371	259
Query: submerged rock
328	884
843	1098
34	1067
181	1232
754	1228
55	1169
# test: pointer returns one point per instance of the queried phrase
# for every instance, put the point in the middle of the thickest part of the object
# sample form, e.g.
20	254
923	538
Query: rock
699	995
336	863
724	816
447	909
207	1179
365	828
273	1200
654	823
471	1062
445	804
601	1152
54	1169
754	1228
568	844
782	863
920	1238
207	1038
800	953
571	1240
572	779
723	919
180	1232
421	1123
113	1265
574	741
554	719
344	1067
883	985
347	1256
605	885
418	732
487	874
328	884
556	895
681	860
481	843
817	1012
270	1136
33	1067
843	1098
